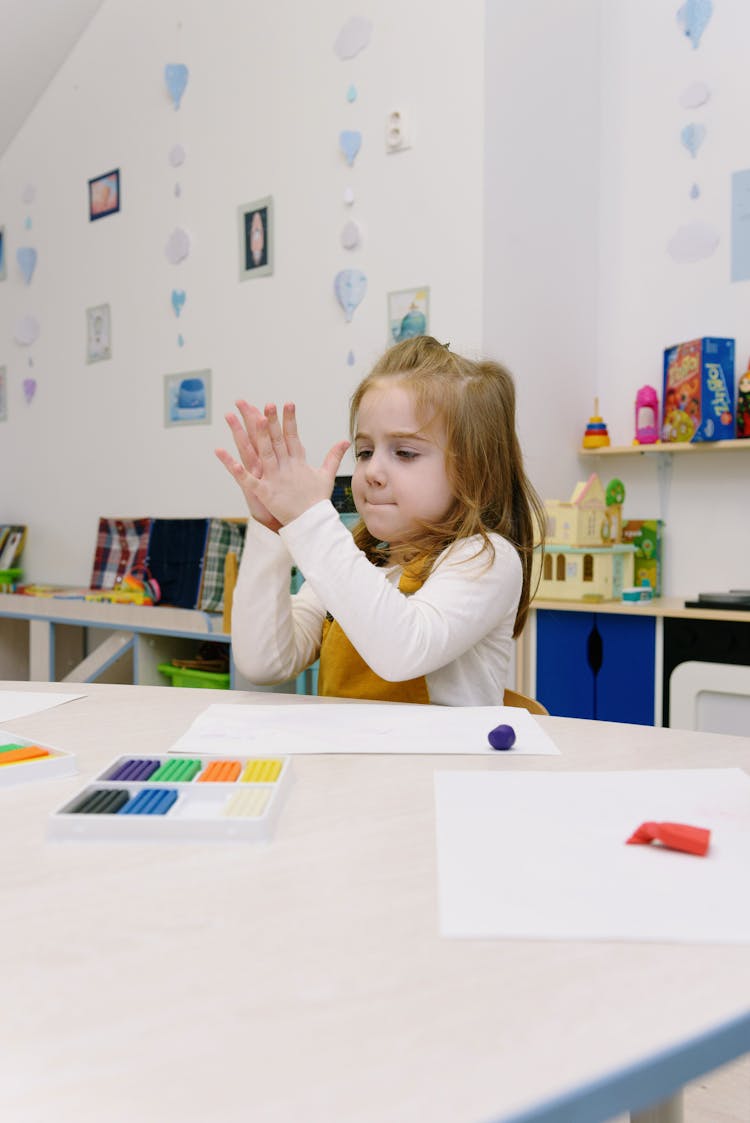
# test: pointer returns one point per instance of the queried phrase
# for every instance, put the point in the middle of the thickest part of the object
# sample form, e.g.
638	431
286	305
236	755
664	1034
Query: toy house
583	556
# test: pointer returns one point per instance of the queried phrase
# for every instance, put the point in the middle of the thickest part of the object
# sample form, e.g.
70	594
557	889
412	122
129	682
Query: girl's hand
249	463
276	480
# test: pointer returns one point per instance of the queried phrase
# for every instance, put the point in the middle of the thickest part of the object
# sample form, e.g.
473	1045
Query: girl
421	603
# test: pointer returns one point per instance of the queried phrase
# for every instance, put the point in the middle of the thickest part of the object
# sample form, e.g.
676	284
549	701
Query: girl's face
400	475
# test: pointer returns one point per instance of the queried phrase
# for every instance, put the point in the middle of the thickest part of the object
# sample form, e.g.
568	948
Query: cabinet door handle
594	650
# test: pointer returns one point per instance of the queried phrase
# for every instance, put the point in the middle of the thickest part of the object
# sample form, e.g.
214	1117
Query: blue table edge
645	1083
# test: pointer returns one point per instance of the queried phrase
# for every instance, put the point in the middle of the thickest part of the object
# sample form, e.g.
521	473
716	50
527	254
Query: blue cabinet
596	665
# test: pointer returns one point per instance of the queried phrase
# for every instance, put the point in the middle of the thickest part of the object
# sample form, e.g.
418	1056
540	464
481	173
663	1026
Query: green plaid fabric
224	536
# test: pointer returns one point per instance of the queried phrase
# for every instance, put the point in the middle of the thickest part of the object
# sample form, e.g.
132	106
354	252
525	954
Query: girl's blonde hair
476	404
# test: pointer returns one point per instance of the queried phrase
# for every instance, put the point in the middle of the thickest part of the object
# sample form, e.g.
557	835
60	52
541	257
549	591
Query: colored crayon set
22	760
177	798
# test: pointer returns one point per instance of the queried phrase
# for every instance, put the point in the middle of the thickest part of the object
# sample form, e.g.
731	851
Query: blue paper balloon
350	143
350	286
176	76
692	136
693	17
178	300
26	258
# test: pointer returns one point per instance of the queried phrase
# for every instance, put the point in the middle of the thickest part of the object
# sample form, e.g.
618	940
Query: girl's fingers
274	430
250	416
237	470
334	457
266	450
293	442
247	453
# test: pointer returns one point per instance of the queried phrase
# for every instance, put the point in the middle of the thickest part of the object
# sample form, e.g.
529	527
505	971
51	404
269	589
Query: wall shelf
664	449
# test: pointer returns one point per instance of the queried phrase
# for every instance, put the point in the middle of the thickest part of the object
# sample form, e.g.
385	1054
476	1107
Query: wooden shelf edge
663	449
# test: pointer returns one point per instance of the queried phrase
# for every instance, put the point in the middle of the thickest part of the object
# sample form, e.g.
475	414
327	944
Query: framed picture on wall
256	238
98	334
187	398
3	394
104	195
3	270
408	314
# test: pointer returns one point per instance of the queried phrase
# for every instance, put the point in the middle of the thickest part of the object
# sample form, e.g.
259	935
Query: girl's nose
374	471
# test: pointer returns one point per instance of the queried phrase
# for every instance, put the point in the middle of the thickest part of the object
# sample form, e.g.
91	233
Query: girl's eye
407	454
363	454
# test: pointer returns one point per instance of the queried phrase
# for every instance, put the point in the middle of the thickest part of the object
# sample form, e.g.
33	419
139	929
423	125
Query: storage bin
184	676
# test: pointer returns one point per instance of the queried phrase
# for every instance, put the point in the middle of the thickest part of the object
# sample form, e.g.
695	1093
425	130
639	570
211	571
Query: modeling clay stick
174	770
90	803
248	804
179	770
251	775
148	767
165	801
95	802
154	802
141	803
135	770
229	770
221	771
118	801
164	772
270	771
112	802
151	801
261	771
80	807
142	769
9	748
124	772
186	769
28	752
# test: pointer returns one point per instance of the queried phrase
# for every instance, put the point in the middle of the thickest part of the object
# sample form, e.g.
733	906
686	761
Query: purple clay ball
502	737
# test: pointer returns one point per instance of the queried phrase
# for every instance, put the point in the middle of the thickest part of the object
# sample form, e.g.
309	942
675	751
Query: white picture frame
98	333
187	398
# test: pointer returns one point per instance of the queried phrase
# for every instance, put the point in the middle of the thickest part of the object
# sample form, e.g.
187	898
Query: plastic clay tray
177	798
22	761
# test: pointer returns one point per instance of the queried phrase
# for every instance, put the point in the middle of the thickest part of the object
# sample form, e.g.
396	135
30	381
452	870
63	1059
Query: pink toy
646	414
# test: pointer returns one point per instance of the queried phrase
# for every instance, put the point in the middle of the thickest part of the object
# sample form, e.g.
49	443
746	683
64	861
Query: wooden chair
511	698
231	567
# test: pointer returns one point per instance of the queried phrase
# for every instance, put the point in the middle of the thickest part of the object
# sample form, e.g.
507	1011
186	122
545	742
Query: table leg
668	1111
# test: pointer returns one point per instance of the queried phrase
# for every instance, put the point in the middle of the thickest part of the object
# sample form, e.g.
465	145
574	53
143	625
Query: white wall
559	248
650	302
542	199
589	180
261	116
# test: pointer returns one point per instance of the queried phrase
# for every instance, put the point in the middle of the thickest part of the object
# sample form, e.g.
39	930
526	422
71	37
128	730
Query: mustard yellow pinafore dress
343	672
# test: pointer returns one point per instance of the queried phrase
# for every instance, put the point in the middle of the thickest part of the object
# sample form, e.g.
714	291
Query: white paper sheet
334	728
21	703
544	856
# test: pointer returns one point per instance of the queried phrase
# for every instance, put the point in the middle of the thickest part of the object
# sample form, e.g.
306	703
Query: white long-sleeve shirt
456	630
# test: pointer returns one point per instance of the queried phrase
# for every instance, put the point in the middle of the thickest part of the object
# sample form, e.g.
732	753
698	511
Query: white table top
307	980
